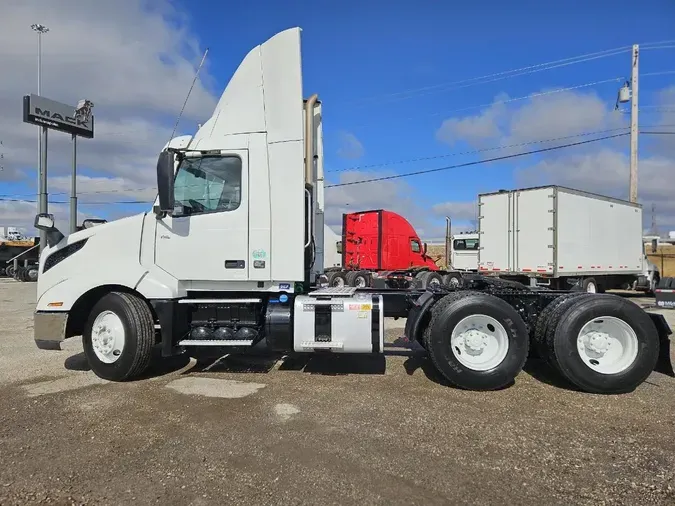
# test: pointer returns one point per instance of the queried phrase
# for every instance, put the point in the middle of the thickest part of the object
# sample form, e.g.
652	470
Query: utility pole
635	59
42	141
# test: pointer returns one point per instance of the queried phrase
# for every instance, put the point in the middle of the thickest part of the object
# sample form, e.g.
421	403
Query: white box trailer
558	237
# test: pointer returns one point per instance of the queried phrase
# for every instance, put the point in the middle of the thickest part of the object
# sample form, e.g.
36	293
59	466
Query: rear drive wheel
453	280
476	340
428	279
539	331
605	344
119	336
337	278
9	271
358	279
589	285
32	273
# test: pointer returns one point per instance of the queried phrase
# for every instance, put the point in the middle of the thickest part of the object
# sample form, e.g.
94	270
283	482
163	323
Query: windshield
208	184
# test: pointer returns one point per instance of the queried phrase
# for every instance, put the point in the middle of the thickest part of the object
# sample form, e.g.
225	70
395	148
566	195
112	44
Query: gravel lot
347	431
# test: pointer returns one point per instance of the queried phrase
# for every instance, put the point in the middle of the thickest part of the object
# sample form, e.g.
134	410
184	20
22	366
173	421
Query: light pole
42	140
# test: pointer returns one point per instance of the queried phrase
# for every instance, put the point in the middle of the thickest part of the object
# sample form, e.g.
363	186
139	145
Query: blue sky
358	50
355	54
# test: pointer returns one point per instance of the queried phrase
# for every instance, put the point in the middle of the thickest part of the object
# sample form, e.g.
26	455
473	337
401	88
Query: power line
658	47
477	162
506	101
662	73
384	164
506	74
497	76
477	151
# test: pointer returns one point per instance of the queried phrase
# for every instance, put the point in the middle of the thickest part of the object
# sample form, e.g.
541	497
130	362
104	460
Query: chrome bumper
49	329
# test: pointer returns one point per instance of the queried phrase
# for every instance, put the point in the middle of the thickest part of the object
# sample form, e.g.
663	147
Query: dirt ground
342	431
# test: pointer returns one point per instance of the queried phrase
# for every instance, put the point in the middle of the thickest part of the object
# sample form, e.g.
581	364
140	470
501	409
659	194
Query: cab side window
415	246
208	184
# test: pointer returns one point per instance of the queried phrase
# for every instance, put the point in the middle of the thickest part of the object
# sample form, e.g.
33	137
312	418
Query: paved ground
332	432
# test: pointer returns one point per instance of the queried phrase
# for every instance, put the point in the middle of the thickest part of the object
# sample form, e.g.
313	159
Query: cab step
215	342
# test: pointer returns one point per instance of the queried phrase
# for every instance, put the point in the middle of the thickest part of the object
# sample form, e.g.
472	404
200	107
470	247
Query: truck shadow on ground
159	366
541	371
263	362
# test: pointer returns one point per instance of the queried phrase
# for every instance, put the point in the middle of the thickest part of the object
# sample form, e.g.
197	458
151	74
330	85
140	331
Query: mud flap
413	328
666	360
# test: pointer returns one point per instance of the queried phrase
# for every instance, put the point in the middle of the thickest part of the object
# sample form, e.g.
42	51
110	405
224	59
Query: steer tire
447	313
568	320
139	337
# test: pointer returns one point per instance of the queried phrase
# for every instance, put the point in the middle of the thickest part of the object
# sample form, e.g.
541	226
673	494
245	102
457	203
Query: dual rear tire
600	343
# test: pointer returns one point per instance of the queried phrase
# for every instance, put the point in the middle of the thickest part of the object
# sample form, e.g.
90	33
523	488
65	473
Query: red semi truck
381	247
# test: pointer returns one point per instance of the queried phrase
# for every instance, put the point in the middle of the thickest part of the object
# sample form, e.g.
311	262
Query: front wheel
119	336
476	340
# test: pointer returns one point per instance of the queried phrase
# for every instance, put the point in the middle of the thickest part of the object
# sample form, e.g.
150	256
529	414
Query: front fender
64	294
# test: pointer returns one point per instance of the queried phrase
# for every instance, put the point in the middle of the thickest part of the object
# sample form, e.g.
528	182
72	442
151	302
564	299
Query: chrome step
219	301
215	342
335	291
331	345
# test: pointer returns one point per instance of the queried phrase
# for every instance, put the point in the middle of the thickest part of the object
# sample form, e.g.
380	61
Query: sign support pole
73	190
44	207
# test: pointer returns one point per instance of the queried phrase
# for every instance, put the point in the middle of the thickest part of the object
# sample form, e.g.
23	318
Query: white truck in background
463	254
563	239
332	248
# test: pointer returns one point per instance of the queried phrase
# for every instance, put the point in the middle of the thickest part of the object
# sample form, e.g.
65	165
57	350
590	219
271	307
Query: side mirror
424	249
165	180
655	243
91	222
44	221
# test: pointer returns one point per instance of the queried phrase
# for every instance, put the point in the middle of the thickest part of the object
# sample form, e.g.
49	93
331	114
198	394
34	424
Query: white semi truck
227	259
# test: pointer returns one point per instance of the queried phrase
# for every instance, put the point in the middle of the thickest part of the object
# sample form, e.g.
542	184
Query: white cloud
601	167
21	214
457	211
474	129
350	147
102	189
135	60
393	195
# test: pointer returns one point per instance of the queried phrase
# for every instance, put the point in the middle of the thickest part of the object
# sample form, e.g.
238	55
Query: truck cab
239	211
464	252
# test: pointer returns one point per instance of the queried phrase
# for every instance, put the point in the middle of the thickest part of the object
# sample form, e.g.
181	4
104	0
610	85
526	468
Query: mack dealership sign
42	111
